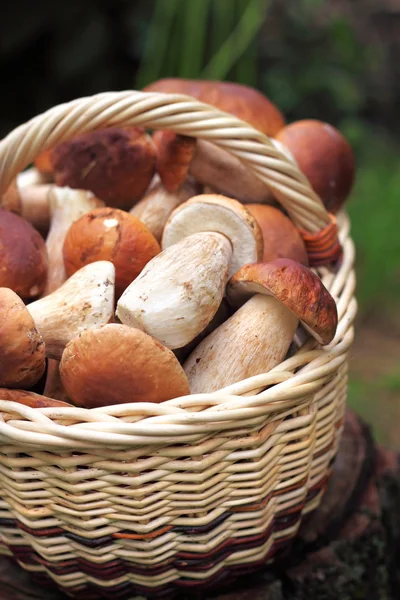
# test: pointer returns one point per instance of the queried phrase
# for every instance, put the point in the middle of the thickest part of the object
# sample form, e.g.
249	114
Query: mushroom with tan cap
22	350
66	206
31	399
206	240
30	202
281	238
174	155
157	204
117	364
116	164
257	337
110	234
324	156
23	257
84	301
209	164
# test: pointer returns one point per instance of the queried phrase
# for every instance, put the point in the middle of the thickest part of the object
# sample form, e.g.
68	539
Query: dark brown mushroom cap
115	164
22	350
324	156
244	102
174	155
293	284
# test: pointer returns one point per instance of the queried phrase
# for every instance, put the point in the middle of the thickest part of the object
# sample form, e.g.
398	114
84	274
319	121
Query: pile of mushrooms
139	267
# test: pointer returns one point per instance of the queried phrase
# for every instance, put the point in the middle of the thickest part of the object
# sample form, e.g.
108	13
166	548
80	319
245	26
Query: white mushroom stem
179	291
29	177
226	174
84	301
253	341
66	206
156	206
35	205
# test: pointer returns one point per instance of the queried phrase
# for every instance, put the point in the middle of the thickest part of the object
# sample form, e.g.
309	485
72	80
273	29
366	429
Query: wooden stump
346	550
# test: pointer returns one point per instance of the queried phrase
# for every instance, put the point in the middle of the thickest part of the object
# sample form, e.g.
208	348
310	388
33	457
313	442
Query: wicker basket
152	499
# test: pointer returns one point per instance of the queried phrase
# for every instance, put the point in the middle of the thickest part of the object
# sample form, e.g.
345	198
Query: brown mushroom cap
117	364
22	350
43	162
281	238
324	156
293	284
23	257
174	154
115	164
114	235
242	101
30	399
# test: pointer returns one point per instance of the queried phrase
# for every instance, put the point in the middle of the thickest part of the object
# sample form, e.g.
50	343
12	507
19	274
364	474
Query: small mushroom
44	164
114	235
31	176
281	238
209	164
23	258
178	292
30	399
84	301
324	156
30	202
22	350
258	336
116	164
157	204
66	206
117	364
174	154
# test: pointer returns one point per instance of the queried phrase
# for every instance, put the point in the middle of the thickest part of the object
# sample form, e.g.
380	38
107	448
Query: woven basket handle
180	114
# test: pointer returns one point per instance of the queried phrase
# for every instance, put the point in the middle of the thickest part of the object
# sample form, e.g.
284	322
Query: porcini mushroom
157	204
174	155
66	206
31	399
209	164
30	202
281	238
22	350
205	240
84	301
44	164
117	364
110	234
324	156
257	337
115	164
23	258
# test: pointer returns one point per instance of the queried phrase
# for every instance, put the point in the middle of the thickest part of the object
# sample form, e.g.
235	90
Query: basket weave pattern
145	498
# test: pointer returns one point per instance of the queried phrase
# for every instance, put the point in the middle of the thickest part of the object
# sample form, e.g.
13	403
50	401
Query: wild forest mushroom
281	238
177	294
257	337
117	364
324	156
44	164
66	206
116	164
84	301
22	350
110	234
209	164
23	258
31	399
157	204
30	202
174	155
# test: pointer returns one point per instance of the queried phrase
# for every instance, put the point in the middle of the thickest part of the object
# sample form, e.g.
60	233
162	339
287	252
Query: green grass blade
194	35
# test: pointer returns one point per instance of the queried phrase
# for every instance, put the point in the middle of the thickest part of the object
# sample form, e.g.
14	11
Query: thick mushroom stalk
66	206
178	292
157	204
258	336
30	202
84	301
